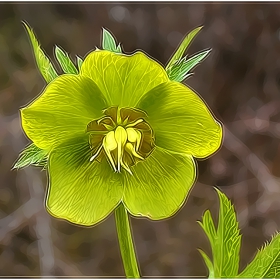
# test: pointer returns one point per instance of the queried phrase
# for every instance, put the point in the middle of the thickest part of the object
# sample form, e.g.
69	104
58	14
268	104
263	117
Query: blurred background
240	82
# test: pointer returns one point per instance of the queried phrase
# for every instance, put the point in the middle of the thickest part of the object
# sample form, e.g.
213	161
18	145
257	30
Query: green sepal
109	42
181	69
79	62
32	155
44	64
181	120
183	46
160	185
81	191
266	263
65	62
62	111
208	263
123	79
225	241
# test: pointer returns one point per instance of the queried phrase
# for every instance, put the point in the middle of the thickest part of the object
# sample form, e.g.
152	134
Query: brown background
240	82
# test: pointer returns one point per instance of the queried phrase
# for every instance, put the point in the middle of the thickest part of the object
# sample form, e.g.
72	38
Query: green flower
120	131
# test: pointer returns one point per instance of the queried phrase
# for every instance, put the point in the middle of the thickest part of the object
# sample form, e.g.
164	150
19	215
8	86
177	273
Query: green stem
126	243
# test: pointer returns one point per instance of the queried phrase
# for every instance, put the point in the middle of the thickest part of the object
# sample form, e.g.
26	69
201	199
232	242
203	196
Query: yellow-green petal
159	185
123	79
181	120
81	191
62	111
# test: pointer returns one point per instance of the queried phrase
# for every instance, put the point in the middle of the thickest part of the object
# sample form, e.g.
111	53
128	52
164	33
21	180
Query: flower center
123	136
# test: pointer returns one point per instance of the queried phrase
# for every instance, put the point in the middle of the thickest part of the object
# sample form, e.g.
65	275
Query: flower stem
126	243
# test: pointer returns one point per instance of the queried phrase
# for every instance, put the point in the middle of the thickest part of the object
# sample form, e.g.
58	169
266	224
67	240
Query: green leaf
65	62
181	120
79	63
266	263
180	70
31	155
62	111
226	251
225	241
209	228
208	263
123	79
81	191
183	46
45	66
160	185
119	49
109	43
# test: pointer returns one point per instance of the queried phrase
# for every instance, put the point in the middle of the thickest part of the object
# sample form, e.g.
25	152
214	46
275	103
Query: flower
120	131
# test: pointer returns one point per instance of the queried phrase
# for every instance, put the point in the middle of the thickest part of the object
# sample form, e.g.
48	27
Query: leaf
31	155
225	241
183	46
79	62
65	62
208	226
45	66
109	43
208	263
226	252
119	49
180	70
266	263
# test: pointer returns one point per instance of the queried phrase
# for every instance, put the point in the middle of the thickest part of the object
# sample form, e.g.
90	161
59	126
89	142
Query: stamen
133	136
96	154
135	123
110	144
125	166
121	138
119	119
130	149
124	135
138	141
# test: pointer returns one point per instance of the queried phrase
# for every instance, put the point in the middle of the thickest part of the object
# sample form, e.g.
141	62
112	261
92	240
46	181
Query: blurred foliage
240	81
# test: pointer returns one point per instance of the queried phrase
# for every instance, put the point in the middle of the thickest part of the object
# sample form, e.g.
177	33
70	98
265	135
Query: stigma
122	136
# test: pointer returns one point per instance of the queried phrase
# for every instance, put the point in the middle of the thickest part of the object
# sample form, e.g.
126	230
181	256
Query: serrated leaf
183	46
109	42
225	241
226	251
180	70
266	263
65	62
79	62
31	155
44	64
208	226
208	263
